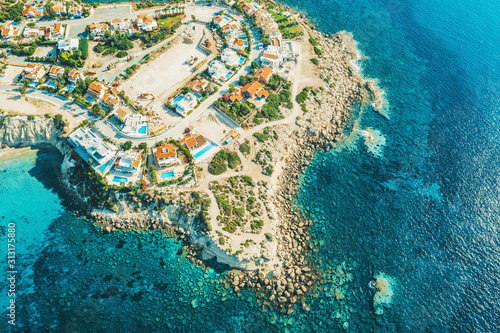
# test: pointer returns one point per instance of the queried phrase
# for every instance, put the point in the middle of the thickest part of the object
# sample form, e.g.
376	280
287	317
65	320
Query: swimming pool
198	96
89	99
70	88
33	84
241	61
177	100
118	179
103	167
142	130
52	84
169	174
228	75
203	151
245	43
242	36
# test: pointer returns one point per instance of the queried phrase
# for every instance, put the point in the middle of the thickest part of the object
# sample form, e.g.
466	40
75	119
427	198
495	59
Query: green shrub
245	148
240	211
31	117
58	120
233	160
218	164
313	41
269	236
260	136
301	97
318	51
122	54
222	241
127	145
315	61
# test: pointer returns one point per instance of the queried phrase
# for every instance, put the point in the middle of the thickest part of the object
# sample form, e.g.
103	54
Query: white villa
74	75
31	32
221	21
55	70
128	162
230	57
166	155
145	22
70	44
75	11
122	25
8	31
98	29
87	144
134	123
237	44
33	72
122	114
218	70
187	103
59	8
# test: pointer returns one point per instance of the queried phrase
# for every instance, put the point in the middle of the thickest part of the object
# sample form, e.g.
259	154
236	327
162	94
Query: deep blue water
424	212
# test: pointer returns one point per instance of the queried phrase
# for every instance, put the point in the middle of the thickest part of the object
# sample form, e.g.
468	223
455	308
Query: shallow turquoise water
423	211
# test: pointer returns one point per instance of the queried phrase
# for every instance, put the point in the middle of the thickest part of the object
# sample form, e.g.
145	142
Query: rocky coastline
327	111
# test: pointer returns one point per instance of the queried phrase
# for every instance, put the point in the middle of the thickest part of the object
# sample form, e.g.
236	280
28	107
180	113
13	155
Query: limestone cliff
20	132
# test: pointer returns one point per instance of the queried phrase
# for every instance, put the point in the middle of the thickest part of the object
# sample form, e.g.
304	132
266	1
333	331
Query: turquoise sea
421	210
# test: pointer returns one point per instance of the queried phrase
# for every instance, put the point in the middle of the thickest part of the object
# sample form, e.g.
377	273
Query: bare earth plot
164	75
213	125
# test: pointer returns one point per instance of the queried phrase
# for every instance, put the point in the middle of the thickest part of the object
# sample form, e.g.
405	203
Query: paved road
123	11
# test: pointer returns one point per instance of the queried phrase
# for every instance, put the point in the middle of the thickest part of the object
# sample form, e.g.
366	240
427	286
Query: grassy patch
168	22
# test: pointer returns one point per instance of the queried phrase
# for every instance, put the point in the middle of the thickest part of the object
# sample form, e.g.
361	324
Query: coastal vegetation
222	160
241	204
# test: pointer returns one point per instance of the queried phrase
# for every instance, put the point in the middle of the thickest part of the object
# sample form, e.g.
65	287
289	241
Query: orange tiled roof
96	87
74	73
252	87
264	72
238	41
56	27
56	69
145	18
166	150
121	113
270	55
137	161
236	95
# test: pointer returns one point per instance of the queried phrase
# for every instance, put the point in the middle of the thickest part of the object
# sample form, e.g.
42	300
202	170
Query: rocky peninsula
278	267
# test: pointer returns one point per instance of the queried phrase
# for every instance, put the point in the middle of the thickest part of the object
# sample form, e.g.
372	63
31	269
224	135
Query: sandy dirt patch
168	72
17	104
12	73
213	125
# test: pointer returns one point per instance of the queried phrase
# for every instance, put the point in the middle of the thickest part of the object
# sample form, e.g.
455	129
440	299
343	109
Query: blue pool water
242	36
52	84
228	75
33	84
198	96
142	130
70	88
204	150
118	179
103	167
241	61
89	99
425	212
169	174
245	43
177	100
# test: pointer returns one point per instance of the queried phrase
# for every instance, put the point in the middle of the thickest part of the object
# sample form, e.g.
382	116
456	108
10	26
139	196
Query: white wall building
88	143
70	44
230	57
218	70
187	103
